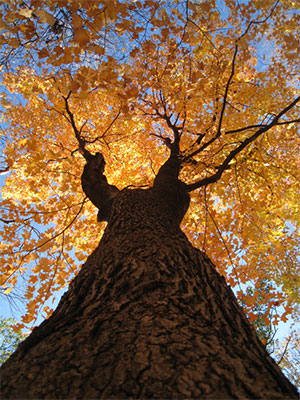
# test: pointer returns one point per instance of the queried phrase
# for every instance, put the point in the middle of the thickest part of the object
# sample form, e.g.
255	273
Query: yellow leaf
43	53
7	290
46	245
76	21
14	43
25	12
45	17
82	37
22	142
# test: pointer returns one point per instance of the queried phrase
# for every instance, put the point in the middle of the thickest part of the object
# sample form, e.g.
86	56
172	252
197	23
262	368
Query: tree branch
107	129
218	134
86	154
225	102
5	170
95	186
285	349
261	126
215	177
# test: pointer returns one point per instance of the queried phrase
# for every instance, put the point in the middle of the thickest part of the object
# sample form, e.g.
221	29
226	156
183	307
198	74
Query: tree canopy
127	79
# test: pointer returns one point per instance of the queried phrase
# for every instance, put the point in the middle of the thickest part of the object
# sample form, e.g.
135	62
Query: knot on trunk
96	187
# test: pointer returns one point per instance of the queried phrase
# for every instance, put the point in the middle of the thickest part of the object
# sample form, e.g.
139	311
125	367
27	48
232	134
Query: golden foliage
132	71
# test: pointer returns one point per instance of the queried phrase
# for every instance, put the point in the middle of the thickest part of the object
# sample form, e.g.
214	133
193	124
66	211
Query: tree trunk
148	316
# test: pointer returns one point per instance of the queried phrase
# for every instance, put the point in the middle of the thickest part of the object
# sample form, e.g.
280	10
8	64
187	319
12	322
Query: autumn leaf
45	17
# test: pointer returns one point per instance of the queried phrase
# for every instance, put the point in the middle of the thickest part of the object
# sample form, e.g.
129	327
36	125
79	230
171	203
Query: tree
171	98
9	338
263	323
289	357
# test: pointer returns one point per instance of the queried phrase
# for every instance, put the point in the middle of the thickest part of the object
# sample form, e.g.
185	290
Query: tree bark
148	316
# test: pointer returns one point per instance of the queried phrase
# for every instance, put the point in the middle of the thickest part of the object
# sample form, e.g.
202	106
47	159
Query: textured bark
148	316
96	187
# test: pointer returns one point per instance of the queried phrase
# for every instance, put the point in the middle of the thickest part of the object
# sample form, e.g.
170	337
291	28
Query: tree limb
215	177
225	102
93	181
86	154
261	126
5	170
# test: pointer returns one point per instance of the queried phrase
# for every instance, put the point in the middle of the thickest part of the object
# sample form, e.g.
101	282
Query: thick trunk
148	316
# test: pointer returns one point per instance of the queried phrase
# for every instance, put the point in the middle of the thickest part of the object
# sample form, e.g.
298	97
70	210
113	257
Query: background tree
288	356
9	338
213	82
